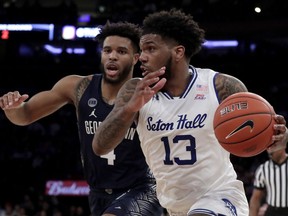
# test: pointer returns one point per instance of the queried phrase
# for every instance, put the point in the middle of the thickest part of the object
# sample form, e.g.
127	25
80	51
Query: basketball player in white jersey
174	108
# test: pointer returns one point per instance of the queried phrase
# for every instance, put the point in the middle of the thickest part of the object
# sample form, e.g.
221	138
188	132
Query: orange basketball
243	124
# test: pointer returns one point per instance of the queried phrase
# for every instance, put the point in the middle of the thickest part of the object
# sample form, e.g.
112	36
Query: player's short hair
178	26
122	29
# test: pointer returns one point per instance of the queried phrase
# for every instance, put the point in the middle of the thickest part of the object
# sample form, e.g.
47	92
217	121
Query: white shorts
213	205
172	213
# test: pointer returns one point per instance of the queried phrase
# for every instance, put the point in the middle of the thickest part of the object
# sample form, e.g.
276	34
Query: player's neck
176	87
109	92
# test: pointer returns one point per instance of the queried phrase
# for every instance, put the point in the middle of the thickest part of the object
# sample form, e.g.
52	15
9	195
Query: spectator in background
120	181
271	183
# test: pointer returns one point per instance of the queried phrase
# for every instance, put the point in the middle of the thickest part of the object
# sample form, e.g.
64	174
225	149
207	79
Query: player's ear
136	58
179	52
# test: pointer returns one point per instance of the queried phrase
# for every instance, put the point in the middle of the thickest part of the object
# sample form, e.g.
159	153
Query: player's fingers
7	99
159	85
157	73
12	99
23	98
144	85
150	79
280	128
2	102
280	133
154	73
280	119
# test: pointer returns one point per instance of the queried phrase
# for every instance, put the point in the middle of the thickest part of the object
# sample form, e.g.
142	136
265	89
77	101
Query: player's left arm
227	85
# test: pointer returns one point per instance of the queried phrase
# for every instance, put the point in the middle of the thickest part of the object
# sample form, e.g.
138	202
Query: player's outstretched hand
12	100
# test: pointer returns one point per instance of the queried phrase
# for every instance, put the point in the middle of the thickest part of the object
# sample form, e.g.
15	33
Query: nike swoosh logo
248	123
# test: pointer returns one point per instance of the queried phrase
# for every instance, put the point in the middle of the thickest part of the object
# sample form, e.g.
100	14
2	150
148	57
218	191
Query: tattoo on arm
227	85
116	124
80	88
126	93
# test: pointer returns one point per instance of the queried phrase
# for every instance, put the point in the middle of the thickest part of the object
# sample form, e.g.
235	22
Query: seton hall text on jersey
182	123
91	127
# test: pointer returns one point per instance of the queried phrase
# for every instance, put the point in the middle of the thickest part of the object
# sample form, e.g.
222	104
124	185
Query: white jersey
178	140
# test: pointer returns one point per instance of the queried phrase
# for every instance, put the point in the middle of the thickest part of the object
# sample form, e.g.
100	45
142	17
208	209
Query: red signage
5	34
67	188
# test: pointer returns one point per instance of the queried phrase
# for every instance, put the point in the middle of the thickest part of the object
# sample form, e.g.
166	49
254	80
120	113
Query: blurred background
43	40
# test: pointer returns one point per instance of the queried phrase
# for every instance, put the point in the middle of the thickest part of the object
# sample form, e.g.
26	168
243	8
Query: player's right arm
113	129
21	111
133	95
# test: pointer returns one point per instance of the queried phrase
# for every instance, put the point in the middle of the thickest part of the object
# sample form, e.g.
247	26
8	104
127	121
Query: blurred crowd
30	156
67	11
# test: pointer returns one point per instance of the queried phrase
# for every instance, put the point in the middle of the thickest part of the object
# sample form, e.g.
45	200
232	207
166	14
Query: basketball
243	124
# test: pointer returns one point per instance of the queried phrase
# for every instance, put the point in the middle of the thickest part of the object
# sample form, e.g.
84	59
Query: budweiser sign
67	188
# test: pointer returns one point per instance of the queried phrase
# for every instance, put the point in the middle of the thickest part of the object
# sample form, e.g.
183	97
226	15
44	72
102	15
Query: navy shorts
139	200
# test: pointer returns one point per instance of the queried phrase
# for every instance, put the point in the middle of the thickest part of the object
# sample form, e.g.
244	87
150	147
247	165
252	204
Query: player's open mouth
112	70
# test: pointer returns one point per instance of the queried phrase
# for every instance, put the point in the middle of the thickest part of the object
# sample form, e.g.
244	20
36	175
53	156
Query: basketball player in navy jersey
173	105
120	181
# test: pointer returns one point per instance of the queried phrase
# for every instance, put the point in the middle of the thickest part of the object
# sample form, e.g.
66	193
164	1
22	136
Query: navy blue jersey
123	167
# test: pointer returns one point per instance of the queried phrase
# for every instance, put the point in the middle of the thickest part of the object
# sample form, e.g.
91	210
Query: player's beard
122	76
167	73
